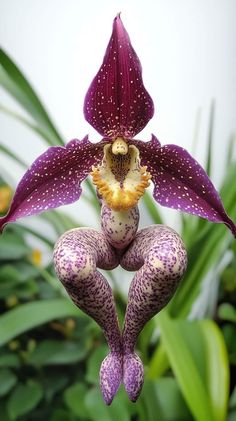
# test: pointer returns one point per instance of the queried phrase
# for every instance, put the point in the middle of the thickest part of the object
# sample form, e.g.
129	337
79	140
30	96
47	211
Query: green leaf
14	82
39	131
228	279
150	403
201	223
54	382
227	312
170	400
59	221
229	332
144	339
12	155
151	207
19	273
232	402
12	247
19	280
23	229
158	363
7	380
230	154
74	398
99	411
30	315
9	360
9	278
51	352
94	199
185	369
94	363
3	411
23	399
232	415
62	415
210	138
198	357
217	368
26	291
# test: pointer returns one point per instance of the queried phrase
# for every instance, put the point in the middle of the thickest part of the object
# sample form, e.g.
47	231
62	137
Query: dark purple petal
54	179
181	183
117	104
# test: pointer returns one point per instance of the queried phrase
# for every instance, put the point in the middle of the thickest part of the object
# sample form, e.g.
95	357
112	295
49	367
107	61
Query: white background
188	53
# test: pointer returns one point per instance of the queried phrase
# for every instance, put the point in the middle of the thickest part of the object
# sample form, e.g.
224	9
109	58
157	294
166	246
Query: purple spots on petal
111	372
159	255
119	227
77	255
133	376
117	103
54	179
181	183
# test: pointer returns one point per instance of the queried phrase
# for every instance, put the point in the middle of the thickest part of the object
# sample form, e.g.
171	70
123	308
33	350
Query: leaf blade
30	315
185	369
15	83
217	368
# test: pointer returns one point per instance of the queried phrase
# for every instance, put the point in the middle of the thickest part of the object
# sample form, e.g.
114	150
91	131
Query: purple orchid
118	106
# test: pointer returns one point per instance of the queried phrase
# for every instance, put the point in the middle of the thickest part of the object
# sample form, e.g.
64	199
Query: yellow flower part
12	301
5	198
120	179
36	257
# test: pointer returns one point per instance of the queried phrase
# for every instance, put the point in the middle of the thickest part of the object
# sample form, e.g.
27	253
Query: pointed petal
111	372
54	179
117	104
181	183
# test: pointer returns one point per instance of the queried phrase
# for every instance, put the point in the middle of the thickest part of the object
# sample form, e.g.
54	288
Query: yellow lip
120	179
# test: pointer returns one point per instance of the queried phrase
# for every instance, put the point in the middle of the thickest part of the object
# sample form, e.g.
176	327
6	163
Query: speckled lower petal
159	255
117	103
77	255
54	179
111	373
119	227
181	183
133	375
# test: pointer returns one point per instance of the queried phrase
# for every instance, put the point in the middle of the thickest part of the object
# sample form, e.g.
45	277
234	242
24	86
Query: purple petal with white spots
181	183
54	179
117	104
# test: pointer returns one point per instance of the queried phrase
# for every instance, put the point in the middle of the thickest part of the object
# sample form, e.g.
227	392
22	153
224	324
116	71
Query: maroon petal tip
117	103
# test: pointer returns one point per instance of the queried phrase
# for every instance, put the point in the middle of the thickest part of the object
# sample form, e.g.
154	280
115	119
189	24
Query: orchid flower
118	106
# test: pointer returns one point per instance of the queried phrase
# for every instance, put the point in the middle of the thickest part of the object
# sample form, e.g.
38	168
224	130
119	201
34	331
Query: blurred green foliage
51	352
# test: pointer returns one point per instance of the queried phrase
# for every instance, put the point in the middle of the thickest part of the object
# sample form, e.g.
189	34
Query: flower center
120	179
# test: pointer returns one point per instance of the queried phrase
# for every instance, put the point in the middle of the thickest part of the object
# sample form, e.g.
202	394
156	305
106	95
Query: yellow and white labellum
120	179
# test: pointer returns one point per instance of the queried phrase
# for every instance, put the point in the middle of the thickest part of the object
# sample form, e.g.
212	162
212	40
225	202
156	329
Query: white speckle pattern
117	103
54	179
181	183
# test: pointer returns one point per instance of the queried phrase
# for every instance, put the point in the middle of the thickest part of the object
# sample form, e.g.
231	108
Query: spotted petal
54	179
117	104
181	183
